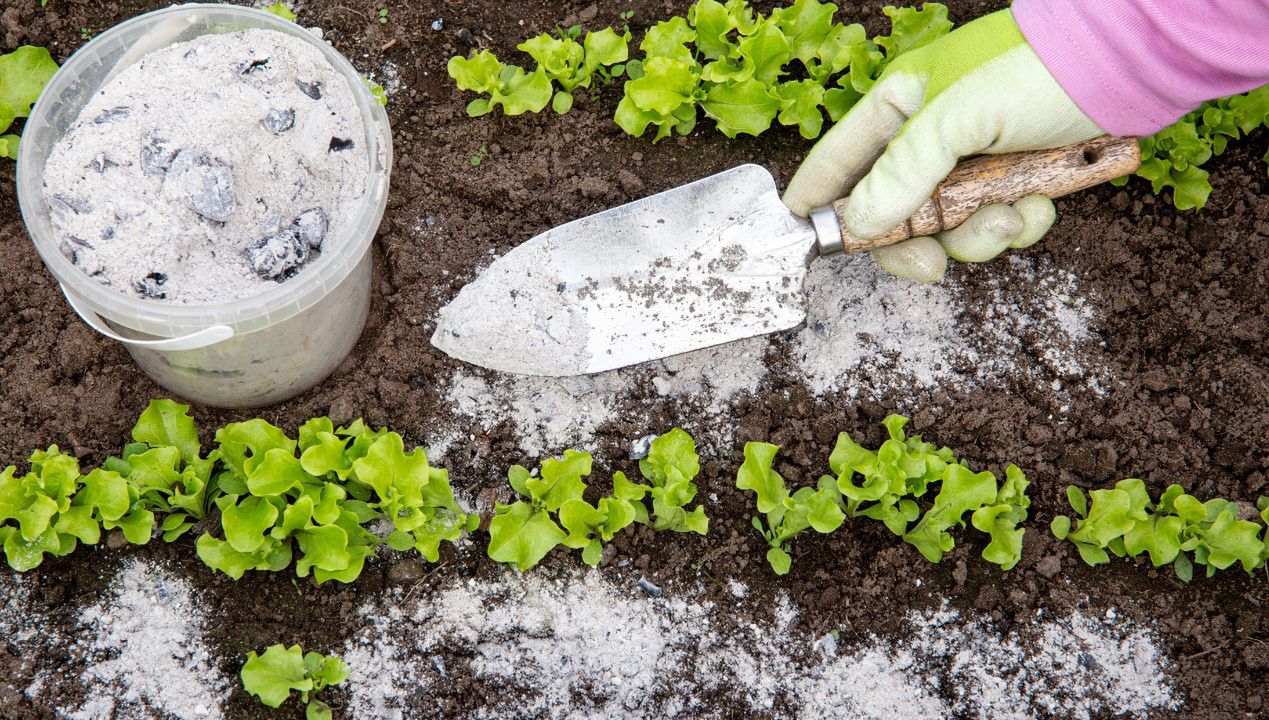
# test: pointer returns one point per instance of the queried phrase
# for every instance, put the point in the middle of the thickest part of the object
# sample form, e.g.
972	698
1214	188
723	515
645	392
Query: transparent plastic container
246	353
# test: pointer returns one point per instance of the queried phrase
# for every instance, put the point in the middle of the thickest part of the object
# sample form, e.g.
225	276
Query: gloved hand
979	89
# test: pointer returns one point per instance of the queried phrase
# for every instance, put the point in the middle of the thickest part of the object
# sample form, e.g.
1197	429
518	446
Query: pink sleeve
1135	66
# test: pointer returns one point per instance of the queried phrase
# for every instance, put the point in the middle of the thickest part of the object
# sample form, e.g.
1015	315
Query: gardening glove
978	89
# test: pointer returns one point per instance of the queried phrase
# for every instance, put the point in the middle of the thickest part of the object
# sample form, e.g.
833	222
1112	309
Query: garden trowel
713	261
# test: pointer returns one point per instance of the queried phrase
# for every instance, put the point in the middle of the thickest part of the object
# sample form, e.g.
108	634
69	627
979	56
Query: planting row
331	497
748	71
745	70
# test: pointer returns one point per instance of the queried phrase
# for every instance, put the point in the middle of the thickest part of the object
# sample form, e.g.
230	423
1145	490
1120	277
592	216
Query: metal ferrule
828	231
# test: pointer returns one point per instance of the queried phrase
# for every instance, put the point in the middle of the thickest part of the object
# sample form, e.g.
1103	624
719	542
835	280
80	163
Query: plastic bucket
245	353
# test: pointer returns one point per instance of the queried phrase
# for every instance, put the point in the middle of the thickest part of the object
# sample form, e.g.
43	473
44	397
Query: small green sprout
282	10
376	91
383	16
273	675
480	155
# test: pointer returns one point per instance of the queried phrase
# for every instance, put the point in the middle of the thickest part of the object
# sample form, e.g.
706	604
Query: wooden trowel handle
990	179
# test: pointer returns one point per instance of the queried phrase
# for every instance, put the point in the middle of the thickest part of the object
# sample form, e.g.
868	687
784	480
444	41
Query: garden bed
1129	343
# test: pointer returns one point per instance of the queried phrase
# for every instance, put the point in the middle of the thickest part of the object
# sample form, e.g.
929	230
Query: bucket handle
193	341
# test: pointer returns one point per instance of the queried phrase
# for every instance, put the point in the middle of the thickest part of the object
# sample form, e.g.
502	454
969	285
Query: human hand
979	89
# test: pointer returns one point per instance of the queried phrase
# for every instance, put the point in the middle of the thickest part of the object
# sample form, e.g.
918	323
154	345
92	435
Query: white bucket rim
154	318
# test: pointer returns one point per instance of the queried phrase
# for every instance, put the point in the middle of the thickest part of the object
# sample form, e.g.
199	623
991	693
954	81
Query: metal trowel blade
710	262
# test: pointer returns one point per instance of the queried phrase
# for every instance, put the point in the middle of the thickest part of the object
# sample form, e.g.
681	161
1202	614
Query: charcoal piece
248	68
151	286
649	589
313	89
279	121
103	162
278	257
64	203
205	185
112	115
272	224
340	144
157	153
71	246
311	226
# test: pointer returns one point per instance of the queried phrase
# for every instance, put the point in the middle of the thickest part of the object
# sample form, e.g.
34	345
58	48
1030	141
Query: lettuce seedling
904	469
282	10
275	674
23	75
510	86
572	65
745	71
892	478
1171	158
786	515
671	465
996	512
1178	529
166	472
523	532
590	526
1001	519
317	494
742	70
416	497
52	508
560	61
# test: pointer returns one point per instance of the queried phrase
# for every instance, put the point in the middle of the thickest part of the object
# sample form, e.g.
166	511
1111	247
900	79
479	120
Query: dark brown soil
1181	300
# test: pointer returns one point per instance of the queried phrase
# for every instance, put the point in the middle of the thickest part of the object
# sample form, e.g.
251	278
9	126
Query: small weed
480	155
383	16
625	18
85	34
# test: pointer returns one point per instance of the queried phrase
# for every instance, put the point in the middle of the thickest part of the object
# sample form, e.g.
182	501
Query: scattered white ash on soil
552	414
904	335
867	333
210	170
580	646
144	653
389	78
27	636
